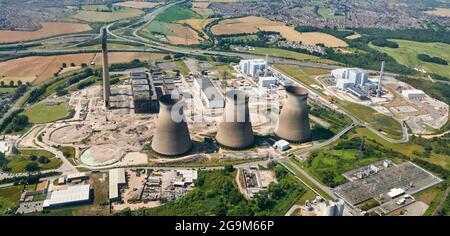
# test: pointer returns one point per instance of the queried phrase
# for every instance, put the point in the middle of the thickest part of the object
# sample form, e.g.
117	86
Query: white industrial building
188	176
73	195
4	147
413	94
349	77
282	145
266	82
252	66
209	93
117	178
333	208
76	176
395	192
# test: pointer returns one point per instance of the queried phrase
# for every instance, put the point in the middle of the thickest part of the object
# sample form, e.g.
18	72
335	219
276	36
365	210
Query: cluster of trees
14	122
337	120
216	194
428	58
382	42
30	179
130	65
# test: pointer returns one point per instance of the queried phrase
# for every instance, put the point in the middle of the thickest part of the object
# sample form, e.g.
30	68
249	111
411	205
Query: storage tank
328	209
293	122
235	130
171	134
339	207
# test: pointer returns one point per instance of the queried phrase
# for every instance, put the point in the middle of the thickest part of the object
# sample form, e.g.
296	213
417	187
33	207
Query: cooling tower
235	130
172	134
293	122
106	85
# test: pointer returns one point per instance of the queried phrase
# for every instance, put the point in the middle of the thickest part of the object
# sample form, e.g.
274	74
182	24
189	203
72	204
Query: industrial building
144	93
171	134
117	179
4	147
77	176
266	82
293	122
413	94
282	145
333	208
253	67
73	195
349	77
209	93
235	130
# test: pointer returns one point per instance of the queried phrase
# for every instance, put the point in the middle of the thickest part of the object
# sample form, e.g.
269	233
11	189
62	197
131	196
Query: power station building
171	134
235	130
293	122
144	94
349	77
209	93
253	67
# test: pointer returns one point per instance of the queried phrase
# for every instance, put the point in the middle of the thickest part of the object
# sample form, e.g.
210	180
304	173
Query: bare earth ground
120	57
139	5
253	24
48	29
135	184
28	141
445	12
183	35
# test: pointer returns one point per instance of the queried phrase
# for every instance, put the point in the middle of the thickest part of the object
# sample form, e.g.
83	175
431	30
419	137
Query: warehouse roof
72	194
116	177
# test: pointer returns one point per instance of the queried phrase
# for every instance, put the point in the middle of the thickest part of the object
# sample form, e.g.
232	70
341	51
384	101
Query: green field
407	149
329	163
177	13
69	153
9	197
282	53
407	53
42	113
17	163
296	73
7	90
378	121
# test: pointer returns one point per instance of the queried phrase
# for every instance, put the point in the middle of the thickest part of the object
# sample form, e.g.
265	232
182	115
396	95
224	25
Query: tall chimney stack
293	122
106	85
380	88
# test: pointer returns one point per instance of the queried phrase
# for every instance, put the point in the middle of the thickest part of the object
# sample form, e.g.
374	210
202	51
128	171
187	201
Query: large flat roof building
209	93
117	178
72	195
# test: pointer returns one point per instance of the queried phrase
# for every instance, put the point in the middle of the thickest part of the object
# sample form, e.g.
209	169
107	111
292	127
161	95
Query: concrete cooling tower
293	122
235	130
172	134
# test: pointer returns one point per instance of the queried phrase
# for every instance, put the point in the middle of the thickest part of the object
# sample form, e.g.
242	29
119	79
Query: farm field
48	29
282	53
253	24
407	53
44	113
94	16
198	24
136	4
38	69
170	23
